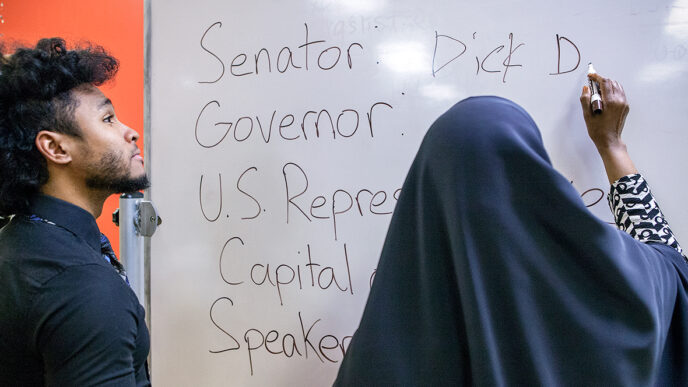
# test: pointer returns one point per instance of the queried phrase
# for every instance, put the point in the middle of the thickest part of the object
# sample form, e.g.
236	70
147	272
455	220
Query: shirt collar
68	216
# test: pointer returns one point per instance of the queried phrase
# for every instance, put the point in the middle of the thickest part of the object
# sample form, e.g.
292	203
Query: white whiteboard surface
248	199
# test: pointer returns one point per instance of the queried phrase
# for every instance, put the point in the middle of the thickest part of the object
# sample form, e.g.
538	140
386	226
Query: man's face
107	158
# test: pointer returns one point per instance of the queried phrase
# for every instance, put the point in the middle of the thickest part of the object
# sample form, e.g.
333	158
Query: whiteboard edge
147	150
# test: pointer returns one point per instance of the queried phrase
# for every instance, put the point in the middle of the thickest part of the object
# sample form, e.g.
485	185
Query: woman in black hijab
495	273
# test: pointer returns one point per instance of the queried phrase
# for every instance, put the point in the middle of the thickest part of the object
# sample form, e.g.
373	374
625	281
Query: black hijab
495	273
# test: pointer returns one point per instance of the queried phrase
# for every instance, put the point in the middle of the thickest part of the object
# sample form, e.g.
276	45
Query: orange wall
116	25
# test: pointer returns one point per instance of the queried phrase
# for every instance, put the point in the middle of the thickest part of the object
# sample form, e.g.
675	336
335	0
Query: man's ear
55	147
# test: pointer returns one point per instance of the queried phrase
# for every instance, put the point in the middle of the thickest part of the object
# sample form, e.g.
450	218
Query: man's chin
134	184
119	185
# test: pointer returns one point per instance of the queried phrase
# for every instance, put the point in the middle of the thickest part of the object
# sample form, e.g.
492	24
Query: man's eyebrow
104	103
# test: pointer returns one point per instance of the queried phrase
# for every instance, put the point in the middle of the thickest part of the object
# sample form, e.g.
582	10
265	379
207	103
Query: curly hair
36	94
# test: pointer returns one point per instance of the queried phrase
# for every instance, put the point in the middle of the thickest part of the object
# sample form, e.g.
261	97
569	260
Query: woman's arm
636	212
605	129
630	199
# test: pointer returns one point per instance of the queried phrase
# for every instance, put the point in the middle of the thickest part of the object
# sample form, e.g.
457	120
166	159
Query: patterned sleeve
637	213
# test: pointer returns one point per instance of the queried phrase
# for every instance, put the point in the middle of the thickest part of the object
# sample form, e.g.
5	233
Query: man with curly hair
67	314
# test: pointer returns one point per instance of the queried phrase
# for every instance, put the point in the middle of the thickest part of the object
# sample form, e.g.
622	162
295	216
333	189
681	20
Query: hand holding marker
595	98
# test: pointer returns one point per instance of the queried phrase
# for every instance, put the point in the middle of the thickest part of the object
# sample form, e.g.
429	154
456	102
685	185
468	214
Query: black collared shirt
66	317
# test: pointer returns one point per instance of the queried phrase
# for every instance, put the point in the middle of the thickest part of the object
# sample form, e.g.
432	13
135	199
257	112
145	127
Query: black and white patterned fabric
637	213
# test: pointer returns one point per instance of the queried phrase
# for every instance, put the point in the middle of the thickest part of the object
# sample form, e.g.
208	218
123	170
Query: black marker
595	98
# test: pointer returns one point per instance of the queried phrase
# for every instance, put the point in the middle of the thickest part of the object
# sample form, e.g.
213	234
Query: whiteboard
281	132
